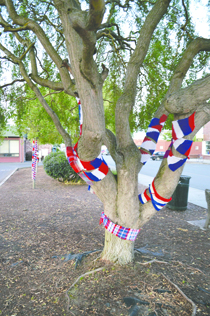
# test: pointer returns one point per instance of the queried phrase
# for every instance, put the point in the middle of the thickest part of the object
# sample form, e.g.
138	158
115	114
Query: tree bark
117	250
207	223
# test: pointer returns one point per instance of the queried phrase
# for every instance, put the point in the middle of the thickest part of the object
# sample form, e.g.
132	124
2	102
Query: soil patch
42	228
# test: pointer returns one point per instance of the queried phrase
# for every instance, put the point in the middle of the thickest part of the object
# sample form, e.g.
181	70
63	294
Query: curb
9	176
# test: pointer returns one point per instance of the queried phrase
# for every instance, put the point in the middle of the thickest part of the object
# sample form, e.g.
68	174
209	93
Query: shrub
51	155
56	166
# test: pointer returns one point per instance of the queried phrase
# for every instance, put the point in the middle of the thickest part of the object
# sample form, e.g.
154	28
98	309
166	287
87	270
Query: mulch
42	228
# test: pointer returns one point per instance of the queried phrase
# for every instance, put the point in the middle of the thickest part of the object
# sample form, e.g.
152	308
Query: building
206	141
12	147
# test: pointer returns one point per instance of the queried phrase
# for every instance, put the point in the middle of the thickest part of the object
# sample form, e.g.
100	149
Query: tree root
189	267
182	293
77	280
151	261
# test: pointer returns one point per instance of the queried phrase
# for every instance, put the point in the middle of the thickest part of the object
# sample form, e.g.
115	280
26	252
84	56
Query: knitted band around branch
117	230
157	201
180	128
94	170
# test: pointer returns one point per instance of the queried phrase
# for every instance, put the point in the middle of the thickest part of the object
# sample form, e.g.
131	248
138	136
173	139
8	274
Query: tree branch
126	101
57	86
196	46
187	99
96	13
34	27
11	83
104	73
52	114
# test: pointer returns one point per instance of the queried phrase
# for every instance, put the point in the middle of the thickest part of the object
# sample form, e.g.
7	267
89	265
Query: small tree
152	66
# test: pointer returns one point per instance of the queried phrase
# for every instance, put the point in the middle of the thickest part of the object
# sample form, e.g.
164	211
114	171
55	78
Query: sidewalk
7	169
194	160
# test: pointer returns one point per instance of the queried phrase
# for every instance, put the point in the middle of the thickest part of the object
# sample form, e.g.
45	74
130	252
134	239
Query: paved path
7	169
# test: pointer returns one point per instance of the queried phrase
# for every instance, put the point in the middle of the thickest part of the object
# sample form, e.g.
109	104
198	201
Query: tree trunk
207	223
117	250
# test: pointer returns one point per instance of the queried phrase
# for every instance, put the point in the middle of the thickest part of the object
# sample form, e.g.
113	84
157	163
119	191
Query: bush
56	166
51	155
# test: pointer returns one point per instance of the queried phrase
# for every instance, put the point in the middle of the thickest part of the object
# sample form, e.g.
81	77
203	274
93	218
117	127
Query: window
208	147
9	148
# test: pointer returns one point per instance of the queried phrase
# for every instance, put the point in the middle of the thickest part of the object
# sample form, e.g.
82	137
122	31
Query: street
7	168
199	173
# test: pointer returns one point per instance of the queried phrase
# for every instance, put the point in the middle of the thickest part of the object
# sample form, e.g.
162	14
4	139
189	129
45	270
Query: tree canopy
129	60
116	39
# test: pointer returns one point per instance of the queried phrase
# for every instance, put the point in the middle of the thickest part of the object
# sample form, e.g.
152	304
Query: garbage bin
180	195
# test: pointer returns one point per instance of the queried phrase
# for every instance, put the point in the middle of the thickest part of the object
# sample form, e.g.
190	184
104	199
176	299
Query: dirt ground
42	228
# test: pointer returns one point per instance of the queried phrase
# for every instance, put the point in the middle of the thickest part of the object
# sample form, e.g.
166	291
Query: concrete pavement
7	169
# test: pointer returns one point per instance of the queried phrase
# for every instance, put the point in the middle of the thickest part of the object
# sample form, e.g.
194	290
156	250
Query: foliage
57	167
166	48
31	118
167	135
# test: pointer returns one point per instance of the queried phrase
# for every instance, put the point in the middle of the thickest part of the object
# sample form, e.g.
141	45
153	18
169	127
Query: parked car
158	155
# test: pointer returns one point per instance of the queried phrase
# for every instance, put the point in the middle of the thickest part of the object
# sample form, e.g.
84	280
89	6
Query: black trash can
180	195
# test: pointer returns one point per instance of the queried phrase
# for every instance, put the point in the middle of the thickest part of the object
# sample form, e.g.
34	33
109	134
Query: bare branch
104	73
187	99
126	102
57	86
111	143
65	63
96	13
196	46
12	29
11	83
52	114
36	28
186	15
27	50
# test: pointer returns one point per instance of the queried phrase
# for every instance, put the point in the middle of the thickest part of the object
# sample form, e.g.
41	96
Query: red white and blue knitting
183	146
117	230
94	170
158	201
34	159
174	162
180	128
155	127
183	127
149	143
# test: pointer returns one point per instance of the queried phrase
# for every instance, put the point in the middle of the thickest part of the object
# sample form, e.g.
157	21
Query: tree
40	29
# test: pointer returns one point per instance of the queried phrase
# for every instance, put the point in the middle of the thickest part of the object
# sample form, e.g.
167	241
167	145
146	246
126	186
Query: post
207	223
34	162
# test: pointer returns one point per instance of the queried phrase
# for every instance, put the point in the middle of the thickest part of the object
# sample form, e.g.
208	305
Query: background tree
154	64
